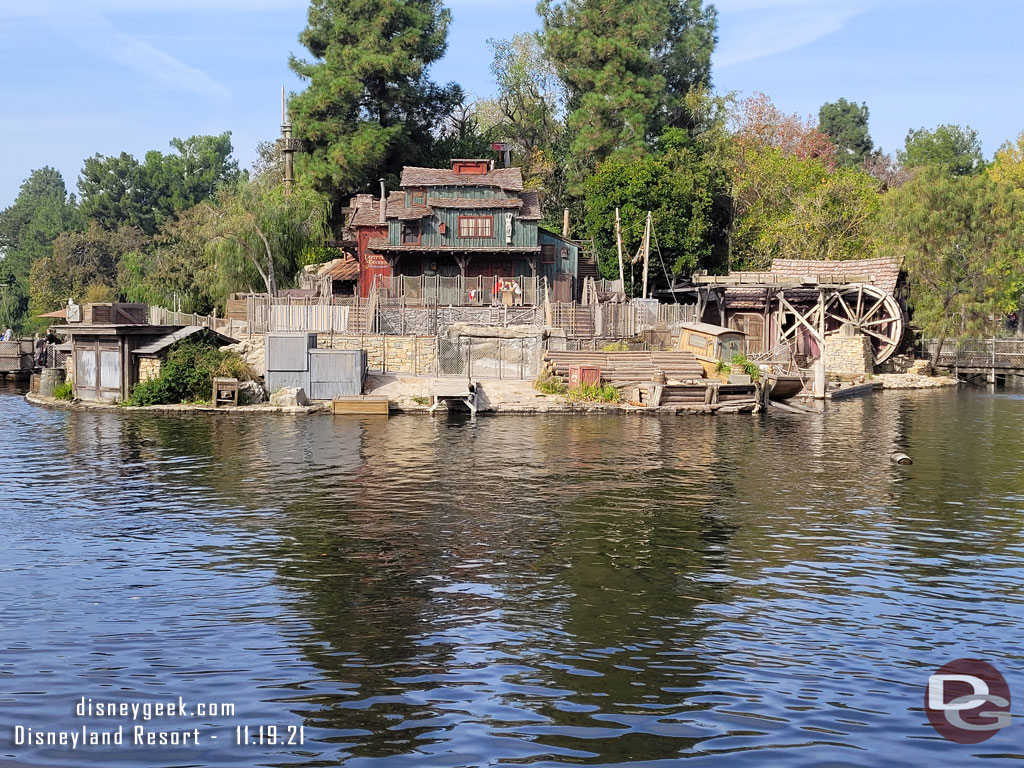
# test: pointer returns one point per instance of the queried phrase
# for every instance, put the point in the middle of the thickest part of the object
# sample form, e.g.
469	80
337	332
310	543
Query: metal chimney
383	203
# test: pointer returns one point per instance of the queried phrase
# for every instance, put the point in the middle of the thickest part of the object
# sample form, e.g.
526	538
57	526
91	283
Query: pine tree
846	124
627	68
369	108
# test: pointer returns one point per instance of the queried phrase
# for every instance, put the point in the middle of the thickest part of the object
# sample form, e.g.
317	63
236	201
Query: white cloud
753	29
90	31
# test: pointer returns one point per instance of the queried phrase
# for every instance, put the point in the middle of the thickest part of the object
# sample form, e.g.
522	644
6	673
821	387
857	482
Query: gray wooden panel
276	380
334	373
288	351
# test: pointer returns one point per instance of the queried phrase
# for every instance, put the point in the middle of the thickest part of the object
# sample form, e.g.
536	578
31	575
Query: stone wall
391	354
149	368
848	354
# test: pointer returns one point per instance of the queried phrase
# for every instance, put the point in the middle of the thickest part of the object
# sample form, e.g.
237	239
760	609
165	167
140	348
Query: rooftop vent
471	166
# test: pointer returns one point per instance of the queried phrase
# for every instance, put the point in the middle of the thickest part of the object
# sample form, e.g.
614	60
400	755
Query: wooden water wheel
870	311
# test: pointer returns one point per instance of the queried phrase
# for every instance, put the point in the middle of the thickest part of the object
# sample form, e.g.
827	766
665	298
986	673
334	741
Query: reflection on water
530	590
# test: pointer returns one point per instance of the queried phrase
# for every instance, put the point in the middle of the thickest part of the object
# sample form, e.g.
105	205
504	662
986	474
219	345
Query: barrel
49	380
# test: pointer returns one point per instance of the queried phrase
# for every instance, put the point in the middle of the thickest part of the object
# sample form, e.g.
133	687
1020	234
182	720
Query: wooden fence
972	355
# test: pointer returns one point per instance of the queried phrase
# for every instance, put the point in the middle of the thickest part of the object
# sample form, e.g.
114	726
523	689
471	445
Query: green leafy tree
82	266
684	58
369	107
957	235
676	186
951	147
262	230
41	212
191	174
121	191
627	68
836	218
116	192
846	124
179	271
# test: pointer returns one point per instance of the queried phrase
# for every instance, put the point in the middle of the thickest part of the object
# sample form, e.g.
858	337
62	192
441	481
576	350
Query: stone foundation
848	354
149	368
392	354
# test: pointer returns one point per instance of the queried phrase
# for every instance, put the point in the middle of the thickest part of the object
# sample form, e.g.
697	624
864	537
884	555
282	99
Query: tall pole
618	245
286	144
647	249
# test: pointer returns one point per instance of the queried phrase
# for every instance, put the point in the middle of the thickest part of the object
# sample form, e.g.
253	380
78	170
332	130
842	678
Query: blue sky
87	76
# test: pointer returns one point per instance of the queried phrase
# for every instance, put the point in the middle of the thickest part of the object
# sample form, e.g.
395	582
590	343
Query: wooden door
752	325
98	372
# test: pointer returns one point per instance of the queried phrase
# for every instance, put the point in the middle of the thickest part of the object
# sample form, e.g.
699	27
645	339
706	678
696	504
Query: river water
534	591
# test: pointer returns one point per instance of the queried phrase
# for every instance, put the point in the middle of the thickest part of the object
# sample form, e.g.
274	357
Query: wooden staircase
587	266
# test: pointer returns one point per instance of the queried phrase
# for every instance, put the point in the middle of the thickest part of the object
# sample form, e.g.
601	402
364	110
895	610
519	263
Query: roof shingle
503	178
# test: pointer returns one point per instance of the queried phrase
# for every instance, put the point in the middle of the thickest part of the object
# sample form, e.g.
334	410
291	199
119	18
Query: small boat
782	386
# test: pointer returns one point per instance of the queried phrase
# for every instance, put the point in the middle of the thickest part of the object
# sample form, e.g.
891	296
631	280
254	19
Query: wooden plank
375	405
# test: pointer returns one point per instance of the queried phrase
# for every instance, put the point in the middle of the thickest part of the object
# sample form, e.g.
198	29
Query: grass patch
752	369
65	391
187	375
421	400
616	346
595	393
550	384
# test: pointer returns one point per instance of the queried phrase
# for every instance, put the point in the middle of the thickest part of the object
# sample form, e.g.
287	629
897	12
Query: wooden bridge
970	358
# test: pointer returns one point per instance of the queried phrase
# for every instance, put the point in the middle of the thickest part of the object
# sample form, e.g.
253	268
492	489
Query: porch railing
463	291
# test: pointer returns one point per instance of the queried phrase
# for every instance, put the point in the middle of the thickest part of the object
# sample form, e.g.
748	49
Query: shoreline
497	398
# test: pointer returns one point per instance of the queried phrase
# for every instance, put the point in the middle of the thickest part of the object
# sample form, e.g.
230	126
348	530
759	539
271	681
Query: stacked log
624	368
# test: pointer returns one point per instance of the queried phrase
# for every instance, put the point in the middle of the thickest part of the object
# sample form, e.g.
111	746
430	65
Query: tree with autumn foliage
787	196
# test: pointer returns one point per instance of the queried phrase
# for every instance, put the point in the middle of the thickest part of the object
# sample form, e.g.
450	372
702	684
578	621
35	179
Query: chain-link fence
489	358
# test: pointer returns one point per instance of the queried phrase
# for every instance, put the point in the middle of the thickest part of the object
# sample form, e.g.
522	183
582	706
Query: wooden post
565	222
647	249
819	364
618	245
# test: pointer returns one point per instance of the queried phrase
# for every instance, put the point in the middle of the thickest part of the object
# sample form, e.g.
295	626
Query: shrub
595	393
187	375
64	391
421	399
550	384
749	367
616	346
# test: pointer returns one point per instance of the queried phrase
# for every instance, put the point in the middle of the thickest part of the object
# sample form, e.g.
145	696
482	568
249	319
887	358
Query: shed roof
883	271
162	343
345	268
709	329
504	178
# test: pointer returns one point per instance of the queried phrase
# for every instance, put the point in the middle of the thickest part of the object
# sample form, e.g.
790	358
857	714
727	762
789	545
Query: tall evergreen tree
846	124
627	68
41	212
369	108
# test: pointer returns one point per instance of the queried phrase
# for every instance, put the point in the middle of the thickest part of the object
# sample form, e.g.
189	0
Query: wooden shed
104	361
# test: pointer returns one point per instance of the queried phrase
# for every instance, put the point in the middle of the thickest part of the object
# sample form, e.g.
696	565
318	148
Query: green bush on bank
594	393
187	375
550	384
64	391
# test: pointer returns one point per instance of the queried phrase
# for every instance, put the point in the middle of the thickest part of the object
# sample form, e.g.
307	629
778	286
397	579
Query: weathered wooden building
470	220
113	347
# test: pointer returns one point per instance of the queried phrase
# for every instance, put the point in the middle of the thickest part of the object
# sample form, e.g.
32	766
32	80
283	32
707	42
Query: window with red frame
476	226
418	197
